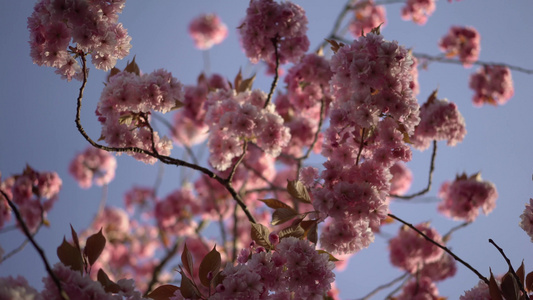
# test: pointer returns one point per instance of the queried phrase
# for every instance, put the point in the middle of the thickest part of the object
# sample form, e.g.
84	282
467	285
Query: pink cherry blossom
418	10
492	85
421	288
462	198
93	164
410	251
269	25
401	180
479	292
17	288
207	30
439	120
526	219
367	16
463	42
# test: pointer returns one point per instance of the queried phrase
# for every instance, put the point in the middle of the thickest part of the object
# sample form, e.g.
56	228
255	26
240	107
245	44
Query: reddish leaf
108	284
312	233
94	247
245	85
282	215
163	292
186	260
260	235
274	203
494	290
521	273
298	191
187	288
210	264
238	79
294	231
529	282
75	238
509	286
70	256
132	67
219	278
334	45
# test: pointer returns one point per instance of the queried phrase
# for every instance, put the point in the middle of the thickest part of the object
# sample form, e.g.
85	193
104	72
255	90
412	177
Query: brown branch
384	286
276	76
164	159
361	145
442	247
36	246
430	177
157	270
520	284
448	235
234	169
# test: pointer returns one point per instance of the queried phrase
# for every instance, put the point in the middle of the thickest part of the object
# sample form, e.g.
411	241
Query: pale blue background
37	111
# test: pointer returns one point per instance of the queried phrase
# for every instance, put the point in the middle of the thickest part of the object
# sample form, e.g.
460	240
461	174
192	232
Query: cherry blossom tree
272	187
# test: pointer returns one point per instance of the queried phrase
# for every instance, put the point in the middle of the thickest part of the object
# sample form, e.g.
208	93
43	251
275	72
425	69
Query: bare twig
361	145
384	286
157	270
430	177
442	247
276	76
234	169
36	246
447	236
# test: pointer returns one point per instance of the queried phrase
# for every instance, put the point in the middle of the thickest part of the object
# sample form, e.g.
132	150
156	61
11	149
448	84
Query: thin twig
36	246
276	75
234	169
442	247
315	139
511	269
235	233
157	270
430	177
384	286
447	236
444	59
361	145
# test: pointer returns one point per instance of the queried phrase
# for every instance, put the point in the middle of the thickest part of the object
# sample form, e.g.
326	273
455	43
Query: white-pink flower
207	30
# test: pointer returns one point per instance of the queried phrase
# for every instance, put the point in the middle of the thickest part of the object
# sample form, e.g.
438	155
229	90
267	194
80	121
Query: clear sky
37	111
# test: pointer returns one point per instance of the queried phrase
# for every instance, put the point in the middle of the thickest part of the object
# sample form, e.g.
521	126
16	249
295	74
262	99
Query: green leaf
94	246
260	235
70	256
209	265
163	292
282	215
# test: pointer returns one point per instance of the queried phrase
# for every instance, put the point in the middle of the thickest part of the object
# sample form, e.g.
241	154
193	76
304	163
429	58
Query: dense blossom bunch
419	289
463	42
295	270
90	25
401	180
207	30
234	118
17	288
269	25
174	213
492	85
463	197
125	107
411	251
93	164
439	120
526	219
440	269
189	126
479	292
418	10
33	192
367	17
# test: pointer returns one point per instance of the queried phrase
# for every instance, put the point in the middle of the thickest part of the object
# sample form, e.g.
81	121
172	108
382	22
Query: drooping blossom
418	10
492	84
463	42
422	288
91	26
125	106
271	25
367	16
410	251
526	219
462	198
93	164
439	120
33	192
207	30
401	180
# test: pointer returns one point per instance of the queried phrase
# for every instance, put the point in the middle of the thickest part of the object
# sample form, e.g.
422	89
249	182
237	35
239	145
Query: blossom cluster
33	192
463	42
295	270
235	118
271	27
526	219
367	17
90	25
462	198
207	30
125	107
418	10
439	120
93	164
492	85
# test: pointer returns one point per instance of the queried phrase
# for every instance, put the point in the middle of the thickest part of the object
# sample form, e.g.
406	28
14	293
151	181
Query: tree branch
520	284
276	76
384	286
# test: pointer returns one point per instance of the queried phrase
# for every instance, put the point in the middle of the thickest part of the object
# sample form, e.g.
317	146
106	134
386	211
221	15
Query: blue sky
37	111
